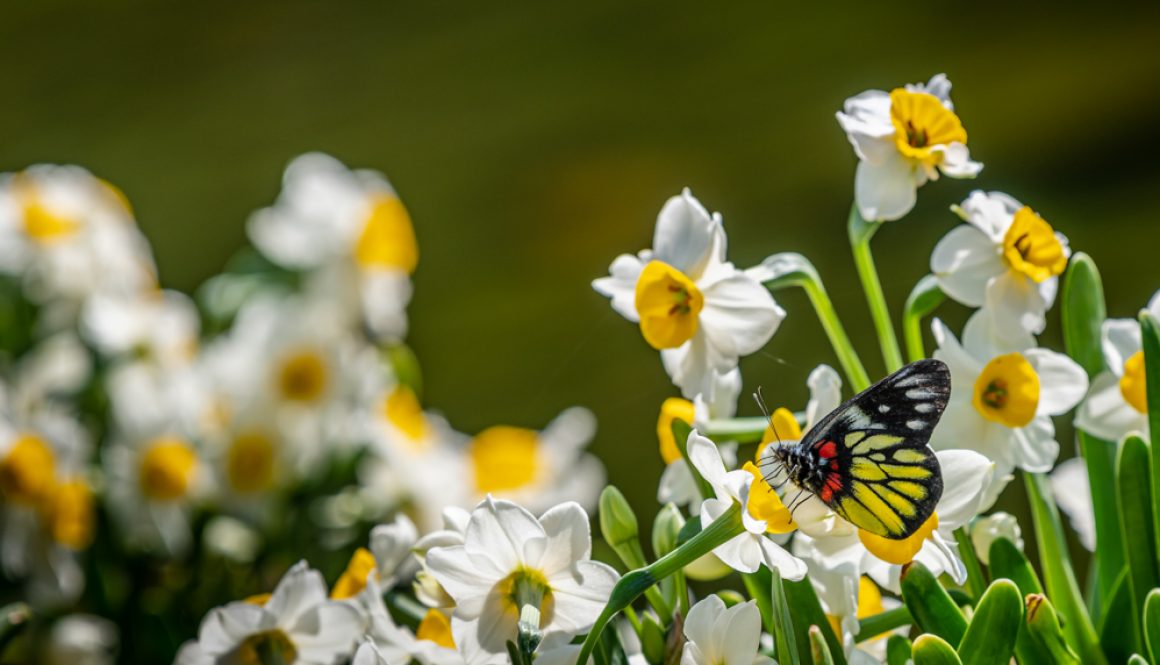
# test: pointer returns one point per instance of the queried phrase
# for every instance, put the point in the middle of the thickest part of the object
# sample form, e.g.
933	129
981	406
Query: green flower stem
861	232
634	583
976	581
873	626
1058	576
404	609
806	276
783	634
924	299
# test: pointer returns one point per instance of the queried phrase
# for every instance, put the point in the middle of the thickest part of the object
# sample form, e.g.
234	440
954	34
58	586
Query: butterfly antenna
760	399
796	502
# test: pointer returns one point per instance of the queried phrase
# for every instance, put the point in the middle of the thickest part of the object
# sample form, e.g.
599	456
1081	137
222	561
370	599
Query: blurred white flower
68	234
296	622
389	643
1005	257
747	551
716	635
1008	390
1118	402
385	564
1072	489
537	469
82	639
700	311
231	539
510	559
904	138
719	401
349	229
985	530
157	326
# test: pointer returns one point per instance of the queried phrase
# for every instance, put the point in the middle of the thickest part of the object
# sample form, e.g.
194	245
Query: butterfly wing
879	473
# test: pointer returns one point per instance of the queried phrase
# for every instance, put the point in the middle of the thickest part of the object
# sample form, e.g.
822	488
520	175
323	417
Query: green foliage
1043	625
1152	624
989	639
933	650
898	650
1117	642
783	633
1008	562
819	649
810	617
1135	501
931	605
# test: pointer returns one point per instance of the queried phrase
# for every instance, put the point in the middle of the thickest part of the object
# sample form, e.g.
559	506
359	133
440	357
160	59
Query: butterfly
868	460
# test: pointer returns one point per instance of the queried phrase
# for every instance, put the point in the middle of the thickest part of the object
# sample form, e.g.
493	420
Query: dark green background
533	142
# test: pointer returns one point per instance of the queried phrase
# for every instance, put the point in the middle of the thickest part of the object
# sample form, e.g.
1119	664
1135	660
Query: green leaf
1150	334
898	650
875	625
1043	625
1058	576
807	611
1118	643
924	298
818	647
783	633
989	639
1137	659
1152	624
933	650
931	605
1008	562
652	639
759	584
1135	503
1083	313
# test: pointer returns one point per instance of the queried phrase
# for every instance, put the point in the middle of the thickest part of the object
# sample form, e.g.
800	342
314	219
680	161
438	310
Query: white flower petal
620	285
1016	304
702	619
963	262
965	476
327	632
581	597
825	394
686	235
742	635
300	589
224	628
499	529
706	459
1120	340
568	538
738	318
1062	382
1105	413
885	191
1035	446
1073	493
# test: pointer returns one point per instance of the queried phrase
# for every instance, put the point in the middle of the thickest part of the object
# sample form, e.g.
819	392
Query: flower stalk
632	585
861	232
924	298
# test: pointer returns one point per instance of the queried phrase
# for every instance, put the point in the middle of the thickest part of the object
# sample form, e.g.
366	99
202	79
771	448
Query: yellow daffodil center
354	578
504	458
271	646
436	627
1007	391
783	426
403	411
668	303
765	504
1031	247
672	410
388	238
922	122
42	224
869	604
899	551
27	471
166	469
1133	385
527	586
71	514
302	376
250	462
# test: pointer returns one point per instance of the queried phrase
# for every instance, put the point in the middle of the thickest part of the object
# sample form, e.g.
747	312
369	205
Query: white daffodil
717	635
389	643
510	559
413	453
986	530
1005	257
1118	402
967	476
847	598
453	533
677	484
350	230
904	138
386	563
538	469
762	513
82	639
46	499
1007	392
158	326
297	623
692	305
1073	492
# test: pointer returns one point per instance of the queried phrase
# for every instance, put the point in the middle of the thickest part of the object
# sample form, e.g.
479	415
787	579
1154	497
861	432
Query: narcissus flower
297	623
510	559
350	230
1118	401
762	513
1005	257
389	643
1007	392
717	635
692	305
986	530
677	484
904	138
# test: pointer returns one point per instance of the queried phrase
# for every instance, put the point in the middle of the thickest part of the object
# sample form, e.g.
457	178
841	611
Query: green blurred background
533	142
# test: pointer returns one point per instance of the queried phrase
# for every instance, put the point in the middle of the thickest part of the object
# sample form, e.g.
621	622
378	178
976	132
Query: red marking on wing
833	484
828	450
834	465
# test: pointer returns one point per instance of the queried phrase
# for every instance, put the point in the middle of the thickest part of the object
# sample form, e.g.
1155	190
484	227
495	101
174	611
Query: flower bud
617	521
666	528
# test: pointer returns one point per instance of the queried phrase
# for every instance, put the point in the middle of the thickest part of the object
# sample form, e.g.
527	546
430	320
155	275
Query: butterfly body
868	460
